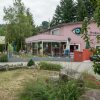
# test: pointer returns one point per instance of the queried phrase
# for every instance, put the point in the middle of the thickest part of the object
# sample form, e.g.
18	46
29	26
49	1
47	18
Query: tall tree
45	25
94	4
84	9
65	12
89	8
97	13
81	12
19	23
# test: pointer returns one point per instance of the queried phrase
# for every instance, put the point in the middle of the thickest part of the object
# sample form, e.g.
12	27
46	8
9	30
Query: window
55	32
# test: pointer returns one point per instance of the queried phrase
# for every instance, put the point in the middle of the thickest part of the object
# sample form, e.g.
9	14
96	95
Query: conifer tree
65	12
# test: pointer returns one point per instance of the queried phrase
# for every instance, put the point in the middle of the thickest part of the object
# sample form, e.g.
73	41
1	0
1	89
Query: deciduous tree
19	23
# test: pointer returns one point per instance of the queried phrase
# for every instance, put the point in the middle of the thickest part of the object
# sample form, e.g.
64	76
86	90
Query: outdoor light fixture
69	39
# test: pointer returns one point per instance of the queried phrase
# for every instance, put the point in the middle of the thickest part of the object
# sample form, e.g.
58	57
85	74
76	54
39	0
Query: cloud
41	9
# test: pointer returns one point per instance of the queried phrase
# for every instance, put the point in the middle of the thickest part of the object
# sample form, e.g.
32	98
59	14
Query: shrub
34	91
3	58
31	63
97	67
49	66
50	91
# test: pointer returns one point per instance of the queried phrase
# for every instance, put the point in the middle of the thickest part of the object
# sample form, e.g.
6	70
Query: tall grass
41	90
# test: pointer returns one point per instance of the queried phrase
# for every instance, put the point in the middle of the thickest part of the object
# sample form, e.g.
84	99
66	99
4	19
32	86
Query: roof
63	24
46	38
60	25
49	37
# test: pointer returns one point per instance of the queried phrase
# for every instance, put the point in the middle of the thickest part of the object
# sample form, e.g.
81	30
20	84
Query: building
54	40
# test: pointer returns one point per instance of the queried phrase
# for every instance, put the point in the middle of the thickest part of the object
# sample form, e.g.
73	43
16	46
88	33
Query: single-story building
54	40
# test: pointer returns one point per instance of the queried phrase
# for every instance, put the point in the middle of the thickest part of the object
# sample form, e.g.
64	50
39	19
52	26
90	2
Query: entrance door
74	47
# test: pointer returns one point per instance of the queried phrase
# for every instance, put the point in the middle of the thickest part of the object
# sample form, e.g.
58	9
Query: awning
46	38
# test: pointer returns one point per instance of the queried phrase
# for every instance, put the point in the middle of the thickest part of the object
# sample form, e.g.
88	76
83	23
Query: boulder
68	74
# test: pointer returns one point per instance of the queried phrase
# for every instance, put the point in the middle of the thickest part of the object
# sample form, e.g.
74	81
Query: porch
50	45
47	48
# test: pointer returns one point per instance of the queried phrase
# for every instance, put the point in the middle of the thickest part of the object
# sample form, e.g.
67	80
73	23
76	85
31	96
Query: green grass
50	66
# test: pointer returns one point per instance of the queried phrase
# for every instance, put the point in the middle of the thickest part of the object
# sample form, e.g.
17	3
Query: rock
68	74
91	95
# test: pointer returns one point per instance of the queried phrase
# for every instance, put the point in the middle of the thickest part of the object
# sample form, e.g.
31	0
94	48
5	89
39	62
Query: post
42	48
59	48
37	49
51	50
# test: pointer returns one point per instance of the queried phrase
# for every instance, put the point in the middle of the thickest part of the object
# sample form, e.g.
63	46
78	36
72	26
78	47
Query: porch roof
46	38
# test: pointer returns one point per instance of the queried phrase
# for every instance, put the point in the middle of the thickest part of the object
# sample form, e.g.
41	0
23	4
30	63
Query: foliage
10	48
64	13
97	13
2	30
81	10
49	66
96	65
2	47
45	25
85	34
89	8
96	68
71	11
94	4
3	58
19	23
31	63
40	90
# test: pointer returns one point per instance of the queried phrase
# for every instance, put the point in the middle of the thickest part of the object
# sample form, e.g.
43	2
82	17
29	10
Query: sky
42	10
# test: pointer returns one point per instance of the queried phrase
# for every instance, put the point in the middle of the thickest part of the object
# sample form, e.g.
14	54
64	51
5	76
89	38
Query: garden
43	82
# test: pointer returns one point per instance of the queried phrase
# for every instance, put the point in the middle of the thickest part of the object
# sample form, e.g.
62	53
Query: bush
50	91
3	58
97	67
31	63
50	66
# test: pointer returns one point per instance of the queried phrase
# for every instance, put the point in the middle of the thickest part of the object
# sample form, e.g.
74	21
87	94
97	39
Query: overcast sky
41	9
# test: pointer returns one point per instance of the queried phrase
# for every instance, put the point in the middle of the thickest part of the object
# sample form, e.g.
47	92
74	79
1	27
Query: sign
2	39
94	33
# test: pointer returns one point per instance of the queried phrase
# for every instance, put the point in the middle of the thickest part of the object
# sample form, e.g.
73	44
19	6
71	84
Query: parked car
95	58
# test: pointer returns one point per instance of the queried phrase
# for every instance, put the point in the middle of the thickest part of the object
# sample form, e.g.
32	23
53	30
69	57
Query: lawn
13	82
